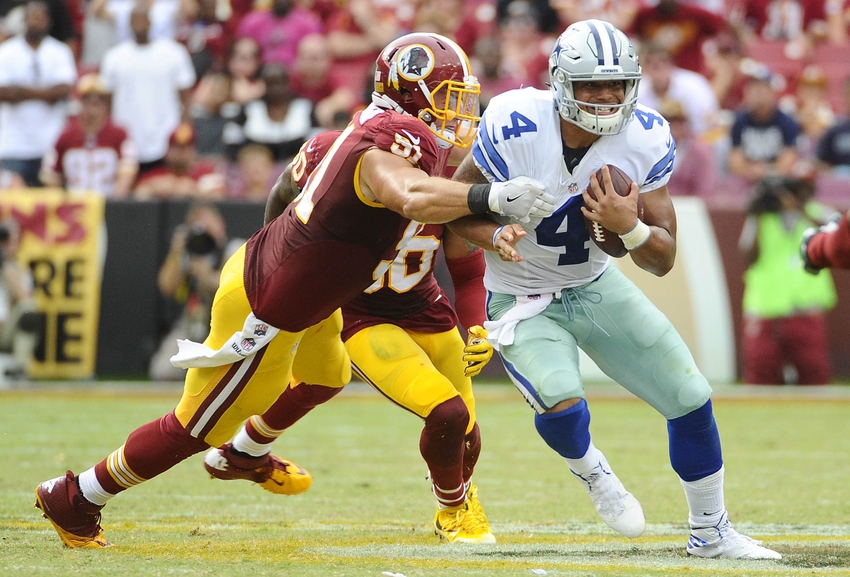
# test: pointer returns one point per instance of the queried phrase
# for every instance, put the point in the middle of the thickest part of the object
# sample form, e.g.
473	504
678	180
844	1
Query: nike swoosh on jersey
413	139
311	145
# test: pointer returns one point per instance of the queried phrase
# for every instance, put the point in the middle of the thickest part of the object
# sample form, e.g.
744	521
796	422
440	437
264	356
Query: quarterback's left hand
477	351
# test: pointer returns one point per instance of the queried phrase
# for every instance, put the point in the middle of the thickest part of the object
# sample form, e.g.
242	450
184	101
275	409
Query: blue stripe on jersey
598	39
610	30
663	166
495	160
526	389
478	155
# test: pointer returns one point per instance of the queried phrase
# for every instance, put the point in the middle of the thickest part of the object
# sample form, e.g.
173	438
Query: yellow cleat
272	473
465	523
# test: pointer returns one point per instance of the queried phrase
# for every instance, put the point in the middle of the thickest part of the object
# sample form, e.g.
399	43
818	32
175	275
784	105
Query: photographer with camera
189	276
21	325
784	331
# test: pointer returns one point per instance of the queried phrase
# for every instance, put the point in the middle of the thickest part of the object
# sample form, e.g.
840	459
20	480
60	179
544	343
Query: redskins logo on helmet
428	76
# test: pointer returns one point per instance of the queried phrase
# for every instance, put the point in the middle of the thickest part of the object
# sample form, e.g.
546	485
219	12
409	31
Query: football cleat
723	542
272	473
617	507
76	520
465	523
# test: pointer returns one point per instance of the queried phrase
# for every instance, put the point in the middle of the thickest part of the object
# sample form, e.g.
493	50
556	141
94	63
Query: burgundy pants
770	344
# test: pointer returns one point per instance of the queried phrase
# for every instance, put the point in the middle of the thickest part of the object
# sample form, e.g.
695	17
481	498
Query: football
609	241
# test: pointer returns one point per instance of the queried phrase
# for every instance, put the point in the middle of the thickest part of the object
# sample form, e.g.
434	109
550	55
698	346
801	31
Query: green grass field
370	508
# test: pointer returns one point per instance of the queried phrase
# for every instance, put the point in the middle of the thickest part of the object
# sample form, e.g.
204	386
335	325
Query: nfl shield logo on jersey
248	344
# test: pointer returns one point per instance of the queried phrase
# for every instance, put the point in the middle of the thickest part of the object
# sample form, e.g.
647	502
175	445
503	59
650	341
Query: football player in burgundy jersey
428	372
827	246
92	153
295	273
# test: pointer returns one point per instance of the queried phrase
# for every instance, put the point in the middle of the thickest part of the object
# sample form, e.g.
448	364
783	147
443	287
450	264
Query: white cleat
723	542
617	507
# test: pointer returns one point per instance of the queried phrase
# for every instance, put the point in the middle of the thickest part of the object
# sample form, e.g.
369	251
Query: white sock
705	500
584	464
245	444
91	489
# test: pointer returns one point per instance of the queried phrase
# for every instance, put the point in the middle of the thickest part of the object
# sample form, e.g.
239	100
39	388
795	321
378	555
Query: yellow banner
60	243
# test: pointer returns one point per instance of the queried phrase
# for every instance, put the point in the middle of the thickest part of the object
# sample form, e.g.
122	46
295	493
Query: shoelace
475	514
580	295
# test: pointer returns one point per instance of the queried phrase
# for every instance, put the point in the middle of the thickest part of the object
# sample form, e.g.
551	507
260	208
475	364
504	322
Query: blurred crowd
209	99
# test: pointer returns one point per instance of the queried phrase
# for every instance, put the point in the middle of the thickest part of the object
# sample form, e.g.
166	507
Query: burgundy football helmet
428	76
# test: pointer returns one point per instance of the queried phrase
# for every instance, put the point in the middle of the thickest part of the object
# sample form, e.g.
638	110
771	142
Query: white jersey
520	135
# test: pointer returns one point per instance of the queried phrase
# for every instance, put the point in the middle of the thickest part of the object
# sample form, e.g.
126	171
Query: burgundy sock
293	403
149	450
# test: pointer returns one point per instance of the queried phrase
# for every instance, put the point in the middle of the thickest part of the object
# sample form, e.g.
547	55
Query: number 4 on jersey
519	124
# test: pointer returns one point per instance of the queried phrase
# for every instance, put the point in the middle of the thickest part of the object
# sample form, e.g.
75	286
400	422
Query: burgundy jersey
90	162
405	290
322	251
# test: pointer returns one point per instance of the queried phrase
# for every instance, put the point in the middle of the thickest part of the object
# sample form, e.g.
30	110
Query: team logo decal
413	63
261	329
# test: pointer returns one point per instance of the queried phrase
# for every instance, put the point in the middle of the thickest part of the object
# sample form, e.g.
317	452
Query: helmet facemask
453	116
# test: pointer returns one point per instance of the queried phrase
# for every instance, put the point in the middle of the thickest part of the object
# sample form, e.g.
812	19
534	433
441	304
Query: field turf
370	508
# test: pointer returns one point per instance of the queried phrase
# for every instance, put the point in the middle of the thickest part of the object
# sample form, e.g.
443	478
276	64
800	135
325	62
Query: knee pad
447	422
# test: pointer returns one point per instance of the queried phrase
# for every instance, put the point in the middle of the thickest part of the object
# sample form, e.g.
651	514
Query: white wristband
636	237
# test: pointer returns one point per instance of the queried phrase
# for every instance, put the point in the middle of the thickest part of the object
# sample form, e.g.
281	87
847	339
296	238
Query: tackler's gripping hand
521	199
477	351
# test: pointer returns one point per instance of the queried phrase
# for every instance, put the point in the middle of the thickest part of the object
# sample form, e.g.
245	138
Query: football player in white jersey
564	294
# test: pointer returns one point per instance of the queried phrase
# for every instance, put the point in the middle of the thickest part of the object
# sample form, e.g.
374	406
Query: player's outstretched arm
407	190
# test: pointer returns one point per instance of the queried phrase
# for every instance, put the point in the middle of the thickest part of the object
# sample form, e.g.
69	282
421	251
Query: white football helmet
593	50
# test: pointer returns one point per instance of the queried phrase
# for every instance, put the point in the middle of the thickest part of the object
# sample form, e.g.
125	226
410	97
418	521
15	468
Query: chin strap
384	101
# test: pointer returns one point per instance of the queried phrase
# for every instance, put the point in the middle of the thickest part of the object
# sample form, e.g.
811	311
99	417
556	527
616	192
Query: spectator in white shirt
151	84
165	16
37	73
662	79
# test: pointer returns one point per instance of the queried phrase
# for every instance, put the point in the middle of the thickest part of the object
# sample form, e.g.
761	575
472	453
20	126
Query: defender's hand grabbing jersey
520	135
321	252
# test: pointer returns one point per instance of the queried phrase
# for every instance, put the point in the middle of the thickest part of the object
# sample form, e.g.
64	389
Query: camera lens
200	242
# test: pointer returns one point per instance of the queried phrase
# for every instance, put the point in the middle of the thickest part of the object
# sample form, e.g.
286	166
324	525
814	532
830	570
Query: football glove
477	351
521	198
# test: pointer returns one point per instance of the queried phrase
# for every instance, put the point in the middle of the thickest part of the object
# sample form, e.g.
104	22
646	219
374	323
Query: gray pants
620	329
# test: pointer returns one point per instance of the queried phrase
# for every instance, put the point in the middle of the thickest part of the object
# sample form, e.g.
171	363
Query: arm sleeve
467	274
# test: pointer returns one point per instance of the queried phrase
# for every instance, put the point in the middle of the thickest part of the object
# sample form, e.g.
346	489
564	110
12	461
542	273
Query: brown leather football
605	239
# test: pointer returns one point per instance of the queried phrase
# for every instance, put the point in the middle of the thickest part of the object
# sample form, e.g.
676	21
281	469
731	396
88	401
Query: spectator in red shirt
280	30
680	28
786	19
356	34
314	78
92	153
182	176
